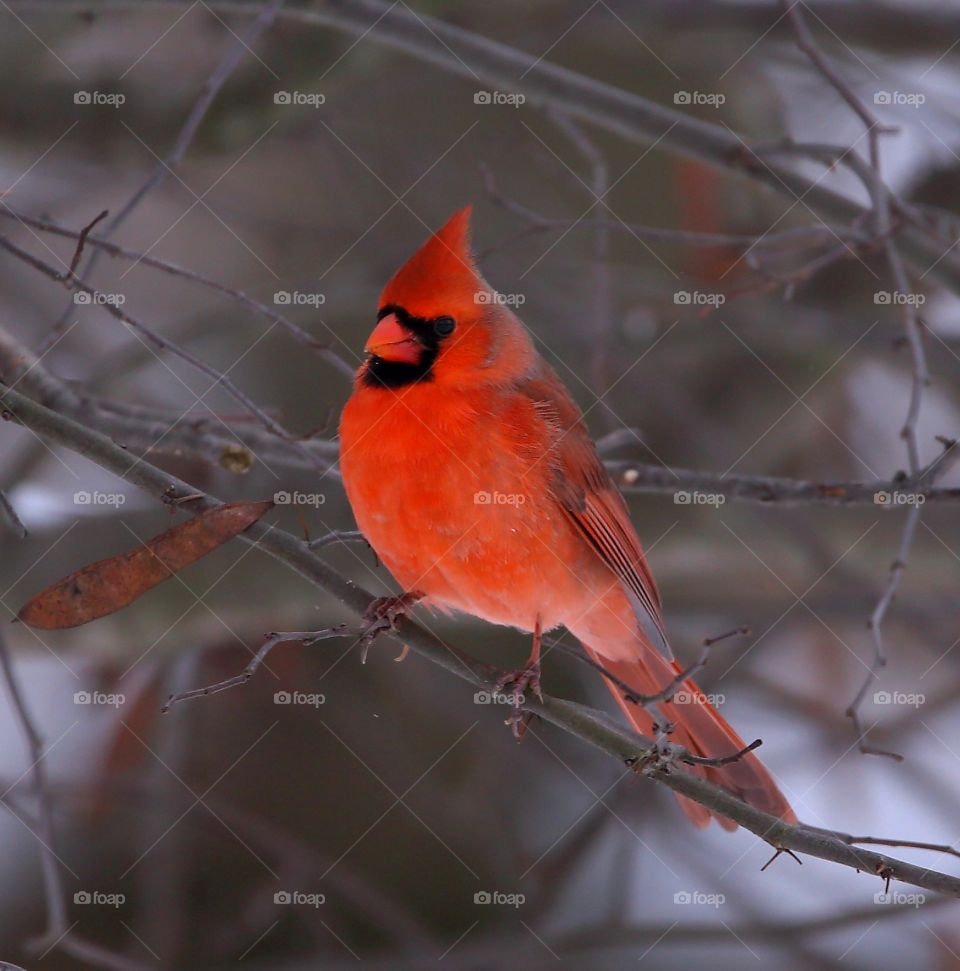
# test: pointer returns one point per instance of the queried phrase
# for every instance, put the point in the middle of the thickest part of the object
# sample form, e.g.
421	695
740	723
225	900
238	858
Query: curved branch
578	720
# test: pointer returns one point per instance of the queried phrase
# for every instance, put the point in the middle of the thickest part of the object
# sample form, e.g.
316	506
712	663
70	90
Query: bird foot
521	680
384	614
526	679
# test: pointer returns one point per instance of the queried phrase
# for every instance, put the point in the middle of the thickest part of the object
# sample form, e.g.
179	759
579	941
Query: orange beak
391	341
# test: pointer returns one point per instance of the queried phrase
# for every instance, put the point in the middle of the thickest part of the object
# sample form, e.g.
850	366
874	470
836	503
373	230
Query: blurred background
329	814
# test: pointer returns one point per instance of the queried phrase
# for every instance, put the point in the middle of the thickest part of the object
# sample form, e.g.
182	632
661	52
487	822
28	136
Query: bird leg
383	614
521	680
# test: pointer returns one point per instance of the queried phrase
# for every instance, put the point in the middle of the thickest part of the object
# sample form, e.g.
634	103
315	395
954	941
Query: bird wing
582	487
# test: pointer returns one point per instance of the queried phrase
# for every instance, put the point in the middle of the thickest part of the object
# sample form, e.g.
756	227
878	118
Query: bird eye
444	326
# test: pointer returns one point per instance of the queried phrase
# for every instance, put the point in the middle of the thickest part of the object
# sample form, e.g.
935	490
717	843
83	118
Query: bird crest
441	277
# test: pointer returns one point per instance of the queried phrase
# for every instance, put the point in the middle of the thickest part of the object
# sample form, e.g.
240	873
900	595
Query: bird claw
525	679
386	611
383	614
518	721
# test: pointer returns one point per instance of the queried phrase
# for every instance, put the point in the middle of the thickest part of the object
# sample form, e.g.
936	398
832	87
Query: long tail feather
701	729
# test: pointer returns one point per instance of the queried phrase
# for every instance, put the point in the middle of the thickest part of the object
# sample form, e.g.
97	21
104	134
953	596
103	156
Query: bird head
440	321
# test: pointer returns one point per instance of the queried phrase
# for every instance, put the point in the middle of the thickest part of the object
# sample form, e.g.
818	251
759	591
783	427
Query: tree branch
881	215
479	60
578	720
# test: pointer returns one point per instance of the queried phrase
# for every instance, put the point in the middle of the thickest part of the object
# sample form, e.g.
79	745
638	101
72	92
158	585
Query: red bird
472	474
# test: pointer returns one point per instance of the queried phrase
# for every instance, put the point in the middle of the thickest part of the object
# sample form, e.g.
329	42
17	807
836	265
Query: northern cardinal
471	473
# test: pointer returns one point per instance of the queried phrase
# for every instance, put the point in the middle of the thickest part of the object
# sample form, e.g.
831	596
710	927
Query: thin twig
809	46
885	841
272	640
881	198
158	340
10	514
81	239
875	624
644	477
337	536
322	348
685	756
666	693
537	223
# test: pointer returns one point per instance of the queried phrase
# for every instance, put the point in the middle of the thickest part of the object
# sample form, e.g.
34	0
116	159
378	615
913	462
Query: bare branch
882	221
337	536
81	239
306	637
462	52
884	841
643	477
585	723
879	660
797	236
666	693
